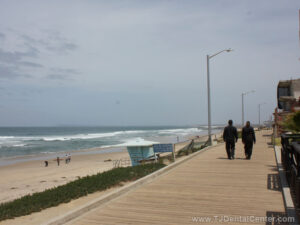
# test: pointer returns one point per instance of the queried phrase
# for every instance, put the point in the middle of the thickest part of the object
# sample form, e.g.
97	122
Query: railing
290	158
124	162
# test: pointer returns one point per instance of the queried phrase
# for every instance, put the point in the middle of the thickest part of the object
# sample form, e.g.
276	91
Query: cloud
16	62
52	42
2	36
31	64
60	77
149	52
16	56
62	70
10	73
9	57
12	63
62	48
61	74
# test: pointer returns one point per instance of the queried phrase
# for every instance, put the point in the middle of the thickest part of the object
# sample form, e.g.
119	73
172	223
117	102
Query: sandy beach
24	178
32	176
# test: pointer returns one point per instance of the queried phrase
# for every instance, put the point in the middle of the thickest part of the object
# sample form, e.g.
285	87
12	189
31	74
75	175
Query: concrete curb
114	194
286	192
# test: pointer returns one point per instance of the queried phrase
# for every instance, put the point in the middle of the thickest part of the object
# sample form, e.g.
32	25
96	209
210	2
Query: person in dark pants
248	138
230	136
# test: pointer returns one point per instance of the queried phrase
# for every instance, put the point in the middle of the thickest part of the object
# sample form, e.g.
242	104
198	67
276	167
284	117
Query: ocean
25	141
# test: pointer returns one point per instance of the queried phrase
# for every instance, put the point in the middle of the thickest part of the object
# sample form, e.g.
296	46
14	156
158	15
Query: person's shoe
232	157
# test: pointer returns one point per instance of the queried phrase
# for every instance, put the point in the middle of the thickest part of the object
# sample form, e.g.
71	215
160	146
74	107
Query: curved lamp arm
225	50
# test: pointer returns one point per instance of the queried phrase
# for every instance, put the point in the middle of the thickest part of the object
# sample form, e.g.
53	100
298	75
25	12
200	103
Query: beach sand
32	176
24	178
48	214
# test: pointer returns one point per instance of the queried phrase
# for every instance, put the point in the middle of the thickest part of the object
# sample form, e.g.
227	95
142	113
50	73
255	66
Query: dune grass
73	190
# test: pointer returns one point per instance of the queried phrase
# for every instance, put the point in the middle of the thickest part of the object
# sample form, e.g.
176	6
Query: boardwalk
206	187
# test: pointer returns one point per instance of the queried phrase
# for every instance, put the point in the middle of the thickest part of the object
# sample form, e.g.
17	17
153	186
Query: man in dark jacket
230	137
248	138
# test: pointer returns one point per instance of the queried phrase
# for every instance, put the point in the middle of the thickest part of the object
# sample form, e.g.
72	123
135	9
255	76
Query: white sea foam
180	131
213	127
90	136
6	137
137	142
129	136
19	145
12	144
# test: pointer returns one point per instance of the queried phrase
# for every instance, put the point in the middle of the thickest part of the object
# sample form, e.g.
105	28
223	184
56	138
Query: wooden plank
207	185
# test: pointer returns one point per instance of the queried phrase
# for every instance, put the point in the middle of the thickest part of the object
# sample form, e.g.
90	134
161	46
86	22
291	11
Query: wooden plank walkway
208	187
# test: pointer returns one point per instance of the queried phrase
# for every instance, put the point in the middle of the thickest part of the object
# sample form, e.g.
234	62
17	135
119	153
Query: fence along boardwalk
207	185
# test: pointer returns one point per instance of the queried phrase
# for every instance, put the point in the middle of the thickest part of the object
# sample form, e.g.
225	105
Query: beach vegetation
240	134
194	147
65	193
291	122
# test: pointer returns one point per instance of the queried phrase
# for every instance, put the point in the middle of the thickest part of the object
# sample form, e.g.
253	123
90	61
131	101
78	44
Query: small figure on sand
248	138
68	158
46	163
57	160
230	137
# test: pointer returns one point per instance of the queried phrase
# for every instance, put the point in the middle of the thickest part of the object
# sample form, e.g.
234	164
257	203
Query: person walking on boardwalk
248	138
230	136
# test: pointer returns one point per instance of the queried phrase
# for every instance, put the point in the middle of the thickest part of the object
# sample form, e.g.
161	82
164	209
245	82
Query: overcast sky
143	62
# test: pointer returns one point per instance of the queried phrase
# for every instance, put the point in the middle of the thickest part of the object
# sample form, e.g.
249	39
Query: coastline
31	176
11	160
5	161
26	175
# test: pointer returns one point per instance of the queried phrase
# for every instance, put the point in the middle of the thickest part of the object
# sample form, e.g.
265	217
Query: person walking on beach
69	158
57	159
248	138
230	136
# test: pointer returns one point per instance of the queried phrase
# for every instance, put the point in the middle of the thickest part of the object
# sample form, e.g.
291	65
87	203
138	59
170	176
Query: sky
135	63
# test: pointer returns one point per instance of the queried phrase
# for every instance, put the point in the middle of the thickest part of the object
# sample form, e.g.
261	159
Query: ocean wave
11	144
180	131
19	145
6	137
21	141
90	136
70	137
136	142
213	127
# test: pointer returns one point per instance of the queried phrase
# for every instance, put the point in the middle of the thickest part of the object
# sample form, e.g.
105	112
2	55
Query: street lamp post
208	57
260	104
243	94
